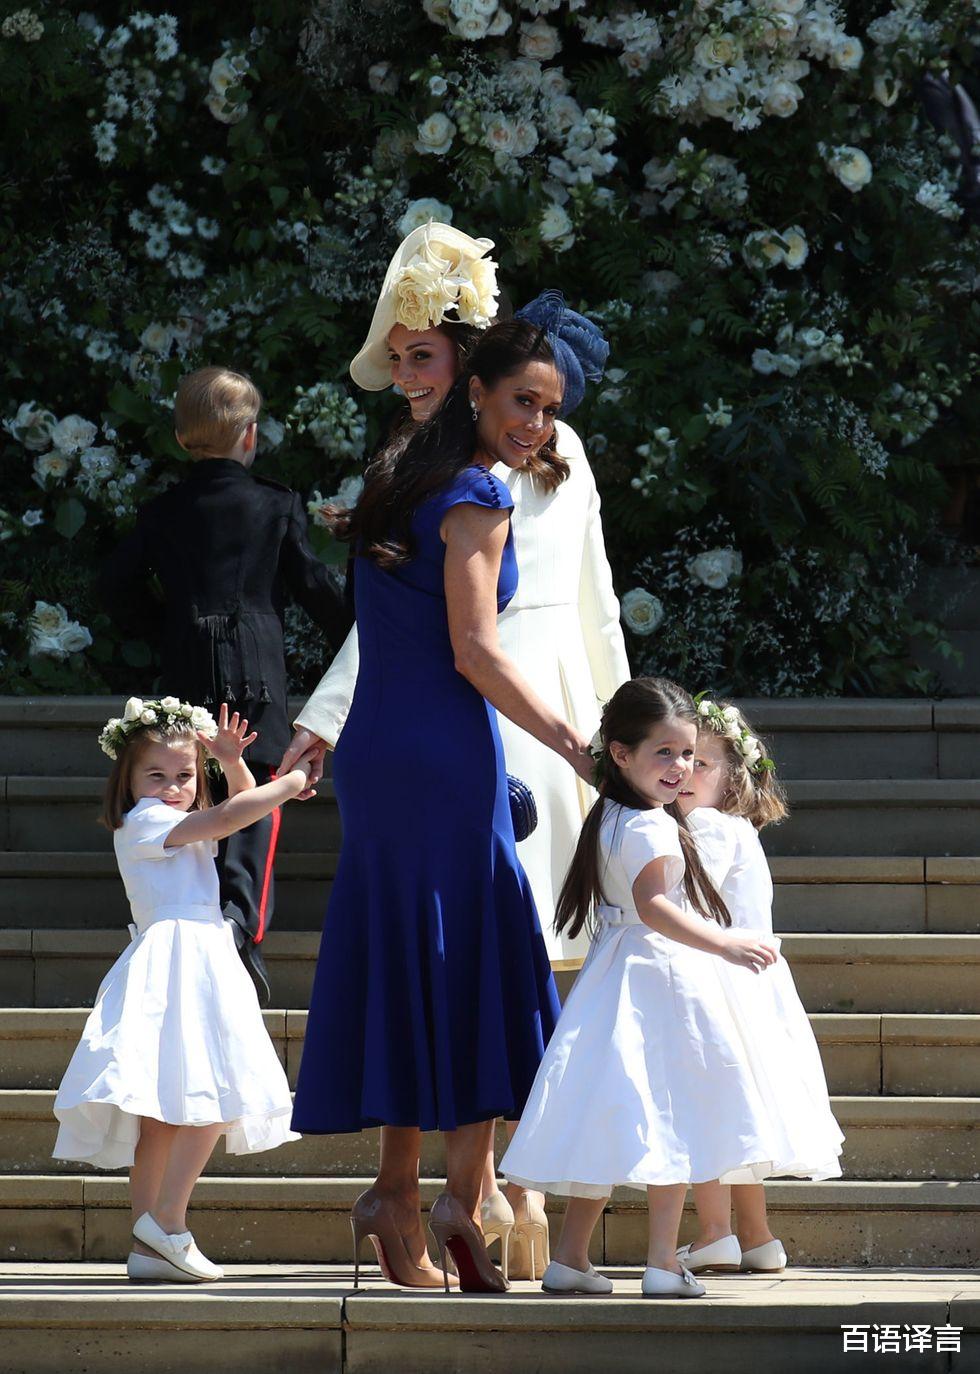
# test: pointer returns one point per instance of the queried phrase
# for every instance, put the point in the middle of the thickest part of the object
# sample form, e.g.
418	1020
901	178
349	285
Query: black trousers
245	865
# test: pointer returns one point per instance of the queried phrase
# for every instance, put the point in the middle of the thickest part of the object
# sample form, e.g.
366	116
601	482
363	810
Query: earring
475	410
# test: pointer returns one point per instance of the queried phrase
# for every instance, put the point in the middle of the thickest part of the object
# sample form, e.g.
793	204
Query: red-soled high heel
372	1217
455	1232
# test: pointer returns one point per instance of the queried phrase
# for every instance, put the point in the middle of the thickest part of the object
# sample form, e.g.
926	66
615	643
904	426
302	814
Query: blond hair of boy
216	414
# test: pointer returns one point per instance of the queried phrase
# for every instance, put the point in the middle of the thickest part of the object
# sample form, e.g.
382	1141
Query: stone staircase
877	902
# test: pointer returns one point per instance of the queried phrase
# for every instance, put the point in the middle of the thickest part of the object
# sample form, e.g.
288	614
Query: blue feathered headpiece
579	346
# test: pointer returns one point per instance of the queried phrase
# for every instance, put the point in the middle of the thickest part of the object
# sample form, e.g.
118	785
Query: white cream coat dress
562	629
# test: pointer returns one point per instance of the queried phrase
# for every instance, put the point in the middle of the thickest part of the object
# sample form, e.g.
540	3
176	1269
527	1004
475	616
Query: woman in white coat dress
562	629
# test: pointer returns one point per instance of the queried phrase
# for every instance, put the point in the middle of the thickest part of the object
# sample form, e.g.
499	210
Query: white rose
719	96
642	613
554	83
72	434
423	295
148	716
521	75
796	249
382	78
223	75
435	134
225	114
170	704
420	211
499	134
715	567
525	138
539	40
437	10
157	338
852	167
764	361
499	24
704	709
730	713
846	54
472	27
556	227
49	616
718	50
132	710
54	465
782	99
811	337
202	720
75	638
187	711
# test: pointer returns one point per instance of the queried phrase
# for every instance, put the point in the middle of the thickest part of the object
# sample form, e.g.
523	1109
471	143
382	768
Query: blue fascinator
579	346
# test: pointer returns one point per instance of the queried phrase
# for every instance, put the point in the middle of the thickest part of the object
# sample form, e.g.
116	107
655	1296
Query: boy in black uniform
227	547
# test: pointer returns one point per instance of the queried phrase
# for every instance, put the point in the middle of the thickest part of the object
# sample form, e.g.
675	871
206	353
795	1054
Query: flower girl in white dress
731	796
650	1080
174	1053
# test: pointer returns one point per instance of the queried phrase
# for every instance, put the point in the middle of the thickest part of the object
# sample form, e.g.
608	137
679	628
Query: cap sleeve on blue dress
649	835
476	487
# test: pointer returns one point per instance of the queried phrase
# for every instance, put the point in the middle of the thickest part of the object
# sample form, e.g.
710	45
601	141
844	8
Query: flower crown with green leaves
727	721
140	715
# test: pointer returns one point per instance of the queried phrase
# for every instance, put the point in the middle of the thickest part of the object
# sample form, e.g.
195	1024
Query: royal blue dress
433	998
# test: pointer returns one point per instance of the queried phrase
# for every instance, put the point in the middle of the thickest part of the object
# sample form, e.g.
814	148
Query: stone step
813	737
846	894
863	1054
310	1320
834	973
74	1218
886	1138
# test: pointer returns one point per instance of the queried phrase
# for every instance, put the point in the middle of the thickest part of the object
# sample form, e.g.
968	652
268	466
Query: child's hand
748	951
231	740
302	770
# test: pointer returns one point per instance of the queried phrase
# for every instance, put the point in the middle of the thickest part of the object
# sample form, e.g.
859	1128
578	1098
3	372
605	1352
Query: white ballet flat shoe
764	1259
664	1283
560	1278
723	1256
152	1269
179	1250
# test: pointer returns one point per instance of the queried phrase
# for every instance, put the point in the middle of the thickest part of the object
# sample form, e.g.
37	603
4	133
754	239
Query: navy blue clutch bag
523	811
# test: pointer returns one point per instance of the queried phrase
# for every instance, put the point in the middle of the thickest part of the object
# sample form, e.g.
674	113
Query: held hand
583	762
303	742
232	738
748	951
302	772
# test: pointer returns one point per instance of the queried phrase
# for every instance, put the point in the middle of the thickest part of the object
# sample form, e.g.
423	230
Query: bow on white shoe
178	1250
664	1283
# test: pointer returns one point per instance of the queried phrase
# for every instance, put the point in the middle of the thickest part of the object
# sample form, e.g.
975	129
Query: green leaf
278	195
137	653
69	517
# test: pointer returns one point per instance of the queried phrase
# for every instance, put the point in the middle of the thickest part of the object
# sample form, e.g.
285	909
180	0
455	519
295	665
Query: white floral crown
138	714
439	282
727	721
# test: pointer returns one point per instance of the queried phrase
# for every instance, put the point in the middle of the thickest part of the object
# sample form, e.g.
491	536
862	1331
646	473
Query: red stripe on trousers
267	877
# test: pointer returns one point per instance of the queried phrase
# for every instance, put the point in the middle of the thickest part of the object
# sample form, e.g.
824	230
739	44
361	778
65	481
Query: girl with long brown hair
648	1081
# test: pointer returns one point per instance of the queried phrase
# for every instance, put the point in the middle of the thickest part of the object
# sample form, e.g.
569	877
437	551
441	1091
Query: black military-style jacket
229	549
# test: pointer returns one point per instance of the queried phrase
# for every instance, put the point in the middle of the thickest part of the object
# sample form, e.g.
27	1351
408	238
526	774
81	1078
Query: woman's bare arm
475	538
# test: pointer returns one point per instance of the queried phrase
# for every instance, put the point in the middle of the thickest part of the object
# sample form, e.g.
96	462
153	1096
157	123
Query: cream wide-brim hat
371	369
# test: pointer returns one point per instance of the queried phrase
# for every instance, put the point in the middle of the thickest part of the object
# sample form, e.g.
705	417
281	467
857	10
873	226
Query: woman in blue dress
433	999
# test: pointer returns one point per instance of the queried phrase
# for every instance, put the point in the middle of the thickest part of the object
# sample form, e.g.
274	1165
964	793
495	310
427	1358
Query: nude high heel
497	1217
455	1233
371	1217
531	1240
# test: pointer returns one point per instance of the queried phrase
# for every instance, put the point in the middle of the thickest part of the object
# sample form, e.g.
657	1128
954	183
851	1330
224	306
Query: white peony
423	295
851	167
72	434
716	567
132	710
642	613
435	134
421	211
539	40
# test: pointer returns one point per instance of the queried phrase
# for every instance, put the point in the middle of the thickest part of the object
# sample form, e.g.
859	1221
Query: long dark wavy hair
419	460
630	715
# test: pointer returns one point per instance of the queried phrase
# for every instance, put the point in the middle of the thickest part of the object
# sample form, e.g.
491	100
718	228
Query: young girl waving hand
731	795
648	1080
174	1053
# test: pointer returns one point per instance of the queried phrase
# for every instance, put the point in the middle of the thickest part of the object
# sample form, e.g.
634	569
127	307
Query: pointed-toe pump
455	1233
530	1240
497	1218
372	1218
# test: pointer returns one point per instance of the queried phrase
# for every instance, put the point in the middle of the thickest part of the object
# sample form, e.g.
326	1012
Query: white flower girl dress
176	1032
654	1074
